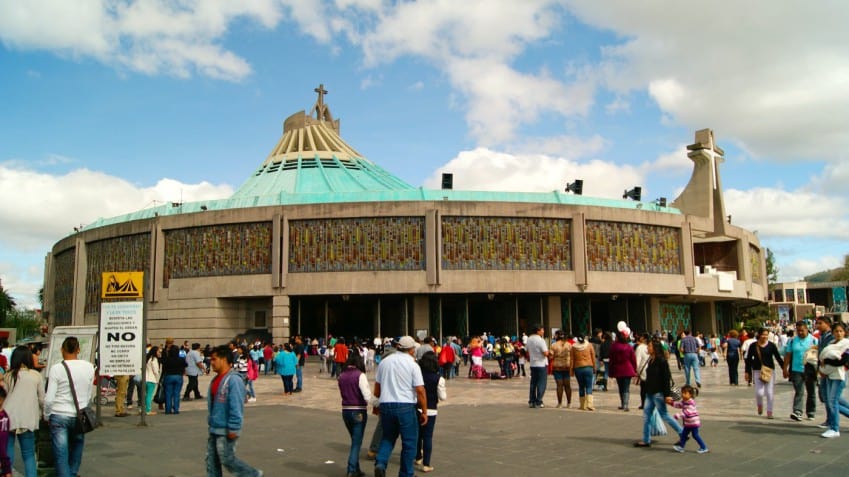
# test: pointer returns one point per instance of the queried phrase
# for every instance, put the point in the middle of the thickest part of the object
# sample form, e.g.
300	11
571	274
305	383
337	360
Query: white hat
406	342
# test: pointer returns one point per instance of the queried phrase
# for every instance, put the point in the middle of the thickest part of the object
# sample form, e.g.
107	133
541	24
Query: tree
842	273
761	312
7	304
771	269
24	321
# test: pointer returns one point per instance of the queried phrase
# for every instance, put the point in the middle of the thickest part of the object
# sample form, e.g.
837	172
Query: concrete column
433	247
78	317
704	318
421	316
281	314
554	312
654	315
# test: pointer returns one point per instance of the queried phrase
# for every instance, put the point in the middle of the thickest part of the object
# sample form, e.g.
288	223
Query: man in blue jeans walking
399	386
690	349
226	403
537	357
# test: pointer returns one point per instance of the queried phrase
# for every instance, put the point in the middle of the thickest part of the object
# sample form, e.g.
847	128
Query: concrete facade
716	266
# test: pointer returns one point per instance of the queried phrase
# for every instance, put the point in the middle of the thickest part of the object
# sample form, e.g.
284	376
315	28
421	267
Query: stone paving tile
485	428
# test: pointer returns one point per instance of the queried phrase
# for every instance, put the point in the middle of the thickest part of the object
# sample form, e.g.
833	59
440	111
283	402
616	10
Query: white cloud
565	147
22	283
37	209
779	213
772	75
148	36
475	43
485	169
371	81
798	269
618	105
501	98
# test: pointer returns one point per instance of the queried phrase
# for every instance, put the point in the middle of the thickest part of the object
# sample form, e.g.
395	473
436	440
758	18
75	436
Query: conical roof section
311	158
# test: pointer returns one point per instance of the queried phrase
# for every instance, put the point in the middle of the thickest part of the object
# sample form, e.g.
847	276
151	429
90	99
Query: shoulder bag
86	417
766	371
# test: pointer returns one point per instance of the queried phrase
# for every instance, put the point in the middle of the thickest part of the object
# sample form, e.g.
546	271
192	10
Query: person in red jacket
340	356
623	367
446	360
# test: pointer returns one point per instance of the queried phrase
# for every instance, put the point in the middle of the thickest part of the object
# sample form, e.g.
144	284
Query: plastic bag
658	428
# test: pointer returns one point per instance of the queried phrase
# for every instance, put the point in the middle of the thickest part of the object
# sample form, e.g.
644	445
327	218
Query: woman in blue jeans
435	392
173	368
23	405
583	366
356	396
657	381
833	360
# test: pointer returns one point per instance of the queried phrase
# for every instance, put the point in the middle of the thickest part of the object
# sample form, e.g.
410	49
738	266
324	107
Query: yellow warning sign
122	285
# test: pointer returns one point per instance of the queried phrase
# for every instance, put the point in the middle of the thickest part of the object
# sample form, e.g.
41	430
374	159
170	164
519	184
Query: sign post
122	327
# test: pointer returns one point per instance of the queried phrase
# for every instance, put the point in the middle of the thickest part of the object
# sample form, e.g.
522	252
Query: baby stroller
600	380
108	389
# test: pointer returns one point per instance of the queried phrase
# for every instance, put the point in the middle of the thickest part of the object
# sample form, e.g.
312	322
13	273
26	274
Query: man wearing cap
400	388
538	358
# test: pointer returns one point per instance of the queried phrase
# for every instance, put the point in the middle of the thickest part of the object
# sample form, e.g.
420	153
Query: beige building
319	240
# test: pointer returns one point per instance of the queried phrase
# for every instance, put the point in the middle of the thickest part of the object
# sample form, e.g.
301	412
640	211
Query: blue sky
109	106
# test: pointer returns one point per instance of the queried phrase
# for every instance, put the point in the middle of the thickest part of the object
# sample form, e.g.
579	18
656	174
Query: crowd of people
410	376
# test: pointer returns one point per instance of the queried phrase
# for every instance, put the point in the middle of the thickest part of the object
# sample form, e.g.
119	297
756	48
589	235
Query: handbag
766	371
812	357
674	390
86	417
159	393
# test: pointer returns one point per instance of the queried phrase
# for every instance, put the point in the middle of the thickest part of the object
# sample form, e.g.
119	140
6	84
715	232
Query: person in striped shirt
689	416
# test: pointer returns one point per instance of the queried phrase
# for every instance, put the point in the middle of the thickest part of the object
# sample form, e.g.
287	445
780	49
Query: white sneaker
253	399
830	433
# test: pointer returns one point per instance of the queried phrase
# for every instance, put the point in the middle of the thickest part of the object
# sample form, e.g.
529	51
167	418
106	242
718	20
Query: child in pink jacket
690	418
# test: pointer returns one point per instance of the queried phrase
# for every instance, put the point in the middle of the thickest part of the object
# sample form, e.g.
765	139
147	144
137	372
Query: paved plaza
485	428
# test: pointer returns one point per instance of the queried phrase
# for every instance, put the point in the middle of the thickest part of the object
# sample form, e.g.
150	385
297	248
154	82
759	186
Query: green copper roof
420	194
312	164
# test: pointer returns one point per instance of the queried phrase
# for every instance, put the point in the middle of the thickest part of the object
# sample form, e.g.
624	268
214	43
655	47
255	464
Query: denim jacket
225	411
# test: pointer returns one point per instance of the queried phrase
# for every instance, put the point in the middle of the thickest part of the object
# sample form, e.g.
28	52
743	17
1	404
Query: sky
112	106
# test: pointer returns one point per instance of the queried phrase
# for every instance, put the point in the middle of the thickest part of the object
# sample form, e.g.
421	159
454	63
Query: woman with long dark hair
24	404
356	396
174	368
435	392
658	392
763	354
623	367
153	366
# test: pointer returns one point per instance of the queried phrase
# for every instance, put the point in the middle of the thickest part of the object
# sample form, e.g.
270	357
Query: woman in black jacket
760	354
657	382
173	369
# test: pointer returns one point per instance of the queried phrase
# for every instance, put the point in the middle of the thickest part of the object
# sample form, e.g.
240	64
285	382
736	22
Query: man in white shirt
61	411
400	388
538	360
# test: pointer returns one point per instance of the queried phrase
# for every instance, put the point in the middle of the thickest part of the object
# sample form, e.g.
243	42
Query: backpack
446	356
253	370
